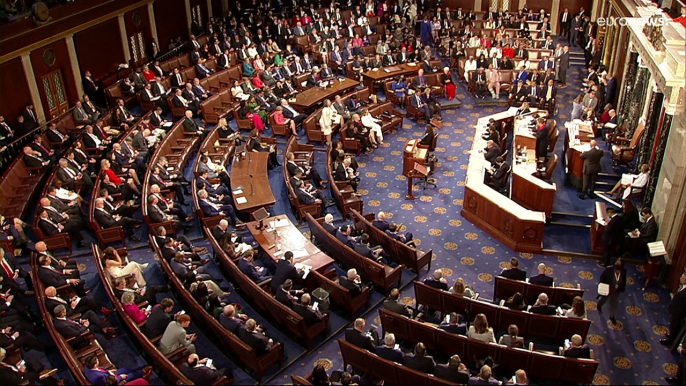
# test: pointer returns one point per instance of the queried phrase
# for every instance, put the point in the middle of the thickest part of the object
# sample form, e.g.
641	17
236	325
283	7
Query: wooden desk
308	99
240	177
290	238
370	77
597	229
527	190
413	153
510	222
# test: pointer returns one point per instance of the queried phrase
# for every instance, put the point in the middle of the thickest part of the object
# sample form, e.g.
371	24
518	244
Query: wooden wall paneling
15	88
136	21
61	62
170	18
203	11
217	9
574	6
465	4
89	50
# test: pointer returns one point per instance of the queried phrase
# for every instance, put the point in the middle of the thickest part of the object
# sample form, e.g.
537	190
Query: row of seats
383	276
341	191
304	155
536	364
557	328
503	288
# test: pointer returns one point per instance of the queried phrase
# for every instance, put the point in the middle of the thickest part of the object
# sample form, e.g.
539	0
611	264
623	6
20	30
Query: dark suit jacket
578	352
311	316
257	341
284	270
541	279
391	354
460	328
231	324
201	374
428	139
648	231
614	231
608	277
592	160
677	308
543	310
397	307
189	125
423	364
382	225
104	219
492	153
207	209
435	283
514	274
157	322
51	278
330	228
355	289
68	329
451	374
360	339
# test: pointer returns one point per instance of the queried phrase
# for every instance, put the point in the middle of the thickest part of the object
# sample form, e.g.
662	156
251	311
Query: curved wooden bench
341	191
503	288
383	276
554	327
302	153
408	256
245	353
283	315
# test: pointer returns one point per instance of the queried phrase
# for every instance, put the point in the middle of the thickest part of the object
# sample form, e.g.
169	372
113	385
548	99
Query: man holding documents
591	159
612	283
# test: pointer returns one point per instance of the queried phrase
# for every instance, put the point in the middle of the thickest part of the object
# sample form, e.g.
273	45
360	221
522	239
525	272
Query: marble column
638	99
657	164
627	87
645	149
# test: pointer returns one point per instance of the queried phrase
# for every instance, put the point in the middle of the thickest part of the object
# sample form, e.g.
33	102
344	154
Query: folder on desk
421	170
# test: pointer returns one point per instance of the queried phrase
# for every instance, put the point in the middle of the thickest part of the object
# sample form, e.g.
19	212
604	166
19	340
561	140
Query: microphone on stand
249	158
252	190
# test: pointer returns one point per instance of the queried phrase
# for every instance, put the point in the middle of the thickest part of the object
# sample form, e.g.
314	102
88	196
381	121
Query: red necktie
7	268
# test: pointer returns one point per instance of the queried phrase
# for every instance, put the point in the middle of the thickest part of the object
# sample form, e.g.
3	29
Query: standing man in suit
285	270
591	159
358	337
612	236
542	278
677	312
565	22
562	65
615	277
514	273
575	30
30	117
679	379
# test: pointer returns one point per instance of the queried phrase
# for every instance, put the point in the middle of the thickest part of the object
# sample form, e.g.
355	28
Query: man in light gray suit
175	336
81	117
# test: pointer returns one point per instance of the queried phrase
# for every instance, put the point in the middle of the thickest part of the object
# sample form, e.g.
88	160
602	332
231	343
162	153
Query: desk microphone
249	159
252	190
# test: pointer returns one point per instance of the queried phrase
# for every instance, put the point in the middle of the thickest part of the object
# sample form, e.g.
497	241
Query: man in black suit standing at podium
591	159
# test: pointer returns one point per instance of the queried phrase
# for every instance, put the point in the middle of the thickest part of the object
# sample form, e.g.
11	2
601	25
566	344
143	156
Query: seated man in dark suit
255	339
353	282
394	232
491	152
376	253
419	104
285	270
389	351
286	295
290	113
196	370
494	176
485	377
74	329
50	276
343	235
189	126
542	278
577	349
542	307
233	321
146	294
419	360
514	272
381	222
329	225
308	311
34	159
454	324
159	318
392	304
454	371
106	220
437	280
358	337
256	273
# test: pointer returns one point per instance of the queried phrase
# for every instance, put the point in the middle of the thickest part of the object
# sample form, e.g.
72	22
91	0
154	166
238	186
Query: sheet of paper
627	179
298	253
237	192
241	200
279	223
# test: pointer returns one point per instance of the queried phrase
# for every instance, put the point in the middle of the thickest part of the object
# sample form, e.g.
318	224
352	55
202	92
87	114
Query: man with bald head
591	169
541	278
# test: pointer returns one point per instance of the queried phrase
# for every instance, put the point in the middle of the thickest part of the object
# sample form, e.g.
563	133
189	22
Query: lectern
413	154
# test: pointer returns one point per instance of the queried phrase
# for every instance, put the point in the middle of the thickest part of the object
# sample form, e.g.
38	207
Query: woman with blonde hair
281	120
117	266
460	288
479	330
371	123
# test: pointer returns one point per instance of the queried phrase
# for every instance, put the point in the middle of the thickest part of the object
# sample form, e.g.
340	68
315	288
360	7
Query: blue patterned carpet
629	353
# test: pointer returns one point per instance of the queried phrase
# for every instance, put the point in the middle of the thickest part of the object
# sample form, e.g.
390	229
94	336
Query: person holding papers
629	182
612	283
